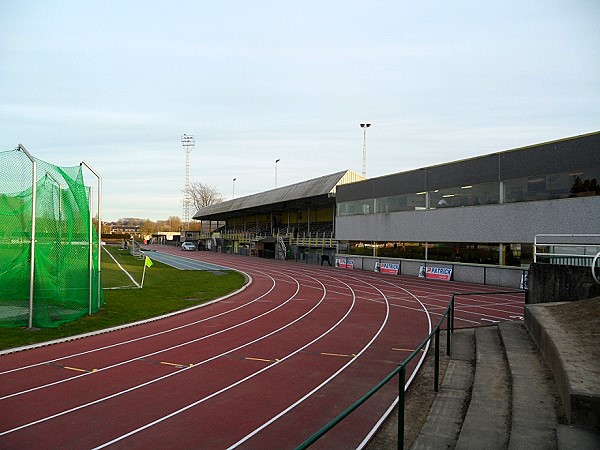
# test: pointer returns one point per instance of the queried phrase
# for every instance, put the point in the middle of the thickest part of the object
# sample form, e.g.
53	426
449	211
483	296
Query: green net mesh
66	277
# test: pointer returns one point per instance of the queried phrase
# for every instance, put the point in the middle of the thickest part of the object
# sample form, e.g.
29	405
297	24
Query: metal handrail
401	371
594	268
563	243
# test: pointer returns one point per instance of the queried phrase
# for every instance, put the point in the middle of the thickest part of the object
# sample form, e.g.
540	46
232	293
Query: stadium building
482	211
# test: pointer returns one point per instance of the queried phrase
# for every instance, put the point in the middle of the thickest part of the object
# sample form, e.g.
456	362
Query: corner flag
147	263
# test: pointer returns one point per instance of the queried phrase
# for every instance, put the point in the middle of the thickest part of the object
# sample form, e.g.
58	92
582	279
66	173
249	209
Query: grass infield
165	290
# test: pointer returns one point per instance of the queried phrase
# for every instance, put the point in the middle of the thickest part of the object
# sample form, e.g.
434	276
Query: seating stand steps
447	412
535	400
498	393
487	422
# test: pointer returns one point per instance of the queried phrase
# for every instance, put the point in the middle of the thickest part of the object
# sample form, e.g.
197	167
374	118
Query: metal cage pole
53	178
91	250
83	163
33	207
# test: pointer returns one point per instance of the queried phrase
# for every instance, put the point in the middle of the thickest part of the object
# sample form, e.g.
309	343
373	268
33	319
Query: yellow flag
148	262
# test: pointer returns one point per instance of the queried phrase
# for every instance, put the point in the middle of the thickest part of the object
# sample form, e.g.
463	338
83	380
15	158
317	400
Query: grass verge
165	290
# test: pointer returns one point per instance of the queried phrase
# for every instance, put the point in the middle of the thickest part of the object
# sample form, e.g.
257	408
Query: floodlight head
188	140
365	125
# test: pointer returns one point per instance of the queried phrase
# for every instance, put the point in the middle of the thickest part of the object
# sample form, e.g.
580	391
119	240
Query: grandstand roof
312	193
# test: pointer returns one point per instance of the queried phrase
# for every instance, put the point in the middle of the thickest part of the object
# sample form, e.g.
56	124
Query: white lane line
121	267
249	377
195	365
345	366
14	394
323	383
424	351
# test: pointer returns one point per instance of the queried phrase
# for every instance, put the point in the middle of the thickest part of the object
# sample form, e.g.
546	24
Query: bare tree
148	227
204	195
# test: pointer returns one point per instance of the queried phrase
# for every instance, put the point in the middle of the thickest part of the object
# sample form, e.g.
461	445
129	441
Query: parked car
188	246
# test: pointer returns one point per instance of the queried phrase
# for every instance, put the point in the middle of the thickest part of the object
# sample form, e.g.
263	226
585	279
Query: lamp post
364	126
276	161
233	191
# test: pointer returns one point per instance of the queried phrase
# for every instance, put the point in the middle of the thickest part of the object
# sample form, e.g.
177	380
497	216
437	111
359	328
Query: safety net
63	283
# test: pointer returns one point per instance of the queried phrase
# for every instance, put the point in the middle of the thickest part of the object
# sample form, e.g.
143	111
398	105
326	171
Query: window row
509	254
533	188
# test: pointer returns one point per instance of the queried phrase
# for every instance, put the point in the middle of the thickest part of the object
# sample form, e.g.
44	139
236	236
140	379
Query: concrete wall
554	283
502	276
506	223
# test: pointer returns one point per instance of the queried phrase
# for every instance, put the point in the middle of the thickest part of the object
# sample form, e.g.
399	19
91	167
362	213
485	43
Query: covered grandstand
291	222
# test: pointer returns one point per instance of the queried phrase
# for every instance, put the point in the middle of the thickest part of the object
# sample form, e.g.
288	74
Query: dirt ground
581	320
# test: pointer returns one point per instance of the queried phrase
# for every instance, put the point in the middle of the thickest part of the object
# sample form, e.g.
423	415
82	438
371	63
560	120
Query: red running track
264	368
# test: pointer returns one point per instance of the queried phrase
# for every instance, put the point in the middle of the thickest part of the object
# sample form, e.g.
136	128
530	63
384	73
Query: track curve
266	367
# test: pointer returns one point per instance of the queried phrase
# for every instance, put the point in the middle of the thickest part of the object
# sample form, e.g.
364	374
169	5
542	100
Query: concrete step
535	400
487	422
444	421
538	415
498	393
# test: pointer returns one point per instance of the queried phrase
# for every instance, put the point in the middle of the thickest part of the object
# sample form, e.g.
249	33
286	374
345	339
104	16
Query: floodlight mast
187	140
364	126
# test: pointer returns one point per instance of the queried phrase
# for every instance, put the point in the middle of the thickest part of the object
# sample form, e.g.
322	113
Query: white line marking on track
226	388
316	389
180	371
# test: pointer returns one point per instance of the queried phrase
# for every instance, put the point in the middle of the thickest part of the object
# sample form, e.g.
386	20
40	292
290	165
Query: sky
116	84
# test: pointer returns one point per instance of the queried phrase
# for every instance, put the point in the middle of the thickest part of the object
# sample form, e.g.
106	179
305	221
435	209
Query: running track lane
264	368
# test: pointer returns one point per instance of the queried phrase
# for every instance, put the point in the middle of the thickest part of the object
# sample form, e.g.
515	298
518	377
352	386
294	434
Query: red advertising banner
436	273
344	263
392	268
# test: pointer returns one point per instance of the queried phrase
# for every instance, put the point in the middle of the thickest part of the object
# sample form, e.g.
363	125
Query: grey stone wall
554	283
507	223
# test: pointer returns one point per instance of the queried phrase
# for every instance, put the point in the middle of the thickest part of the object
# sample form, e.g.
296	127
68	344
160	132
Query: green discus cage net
49	245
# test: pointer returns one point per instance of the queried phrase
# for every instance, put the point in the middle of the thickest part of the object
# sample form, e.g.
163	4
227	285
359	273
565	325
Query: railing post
449	325
401	401
452	314
436	375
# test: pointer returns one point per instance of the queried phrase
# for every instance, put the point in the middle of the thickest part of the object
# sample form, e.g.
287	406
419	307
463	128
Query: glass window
518	254
553	186
468	195
405	202
463	252
360	248
356	207
407	250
